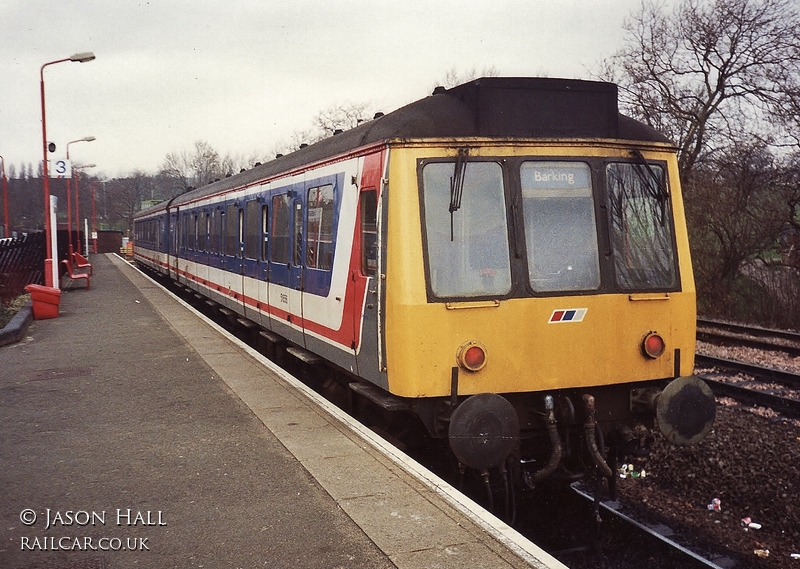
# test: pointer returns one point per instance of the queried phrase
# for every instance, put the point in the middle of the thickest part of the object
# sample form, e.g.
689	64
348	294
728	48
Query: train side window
281	211
560	227
319	228
369	232
642	239
252	238
231	230
467	238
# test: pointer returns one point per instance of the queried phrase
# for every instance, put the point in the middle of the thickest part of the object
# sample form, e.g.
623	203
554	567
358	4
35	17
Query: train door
368	263
366	284
255	265
297	264
285	265
234	216
172	243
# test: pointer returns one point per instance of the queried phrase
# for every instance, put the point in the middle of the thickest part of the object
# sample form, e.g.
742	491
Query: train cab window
231	230
319	228
369	232
642	239
466	231
560	228
252	237
281	212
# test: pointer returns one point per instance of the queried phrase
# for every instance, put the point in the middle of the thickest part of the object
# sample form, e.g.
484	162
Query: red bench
82	263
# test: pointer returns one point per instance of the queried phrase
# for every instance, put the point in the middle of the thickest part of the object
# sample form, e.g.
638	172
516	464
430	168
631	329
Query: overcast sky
243	75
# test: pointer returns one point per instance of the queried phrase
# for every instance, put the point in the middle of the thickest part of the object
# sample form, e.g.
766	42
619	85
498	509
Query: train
506	261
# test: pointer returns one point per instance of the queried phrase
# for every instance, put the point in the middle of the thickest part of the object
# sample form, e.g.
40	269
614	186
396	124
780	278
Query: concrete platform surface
136	433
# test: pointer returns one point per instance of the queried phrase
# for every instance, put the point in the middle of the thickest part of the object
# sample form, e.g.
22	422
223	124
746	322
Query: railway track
727	333
661	541
747	382
761	390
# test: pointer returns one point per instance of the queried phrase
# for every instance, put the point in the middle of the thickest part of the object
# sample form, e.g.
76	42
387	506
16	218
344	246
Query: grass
8	312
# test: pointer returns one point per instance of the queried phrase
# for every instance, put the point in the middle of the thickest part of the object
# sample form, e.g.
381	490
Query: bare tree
721	78
183	170
341	117
711	70
738	207
126	195
454	77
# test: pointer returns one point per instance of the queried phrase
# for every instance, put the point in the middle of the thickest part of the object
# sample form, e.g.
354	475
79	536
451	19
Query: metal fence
21	263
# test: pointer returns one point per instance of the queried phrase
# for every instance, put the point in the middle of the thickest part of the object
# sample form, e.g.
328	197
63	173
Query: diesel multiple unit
506	260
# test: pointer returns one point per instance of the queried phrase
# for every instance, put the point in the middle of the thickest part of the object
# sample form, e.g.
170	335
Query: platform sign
60	168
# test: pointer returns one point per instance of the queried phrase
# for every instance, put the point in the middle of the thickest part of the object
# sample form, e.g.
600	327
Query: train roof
489	107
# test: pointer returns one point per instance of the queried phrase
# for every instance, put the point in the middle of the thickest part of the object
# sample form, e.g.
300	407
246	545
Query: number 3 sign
60	169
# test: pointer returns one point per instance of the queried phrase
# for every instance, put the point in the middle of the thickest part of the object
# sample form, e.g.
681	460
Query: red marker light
653	345
471	356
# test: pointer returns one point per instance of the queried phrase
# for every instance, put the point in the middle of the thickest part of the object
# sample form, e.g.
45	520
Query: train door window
297	246
202	231
466	230
369	232
240	241
319	228
264	232
281	211
185	230
208	230
560	228
216	230
642	240
193	232
231	230
252	238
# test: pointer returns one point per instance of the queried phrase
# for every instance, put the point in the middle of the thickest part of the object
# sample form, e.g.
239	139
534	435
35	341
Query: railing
21	264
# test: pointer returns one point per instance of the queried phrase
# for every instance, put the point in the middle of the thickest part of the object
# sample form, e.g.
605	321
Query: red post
50	273
77	211
5	195
69	220
50	267
94	223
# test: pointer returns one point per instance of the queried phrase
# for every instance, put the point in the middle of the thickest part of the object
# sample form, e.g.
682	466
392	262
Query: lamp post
69	210
77	201
51	267
94	222
5	194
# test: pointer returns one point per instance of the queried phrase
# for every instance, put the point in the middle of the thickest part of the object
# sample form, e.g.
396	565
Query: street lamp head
88	139
82	57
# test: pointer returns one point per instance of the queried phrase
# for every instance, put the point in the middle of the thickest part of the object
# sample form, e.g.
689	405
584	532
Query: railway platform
135	433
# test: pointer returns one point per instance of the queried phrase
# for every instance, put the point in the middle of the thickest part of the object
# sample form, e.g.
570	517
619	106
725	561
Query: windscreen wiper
660	192
457	185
